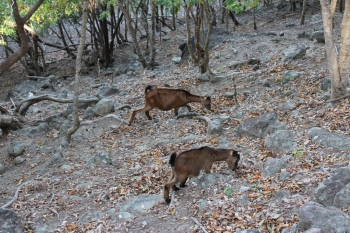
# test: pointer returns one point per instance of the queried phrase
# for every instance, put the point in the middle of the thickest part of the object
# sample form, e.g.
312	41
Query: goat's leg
183	183
207	168
171	184
148	116
144	109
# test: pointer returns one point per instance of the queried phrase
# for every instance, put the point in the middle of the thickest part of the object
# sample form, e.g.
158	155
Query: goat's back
166	99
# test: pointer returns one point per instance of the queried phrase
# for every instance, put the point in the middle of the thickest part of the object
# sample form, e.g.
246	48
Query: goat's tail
149	88
172	159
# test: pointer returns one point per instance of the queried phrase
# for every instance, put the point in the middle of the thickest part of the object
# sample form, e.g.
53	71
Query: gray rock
0	133
236	64
314	230
253	61
10	222
55	160
35	130
326	191
328	219
103	107
203	78
140	203
328	139
243	200
89	113
125	215
101	158
176	60
303	35
273	128
290	75
2	168
229	95
284	175
107	91
325	85
318	36
342	198
273	166
289	105
214	127
44	229
15	149
280	194
281	141
209	179
92	216
294	52
19	160
256	127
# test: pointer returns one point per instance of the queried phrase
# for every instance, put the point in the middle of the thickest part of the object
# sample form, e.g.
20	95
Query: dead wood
14	197
11	122
340	98
22	110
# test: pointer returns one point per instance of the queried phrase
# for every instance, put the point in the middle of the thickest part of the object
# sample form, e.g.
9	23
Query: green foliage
47	14
171	6
298	153
228	191
238	7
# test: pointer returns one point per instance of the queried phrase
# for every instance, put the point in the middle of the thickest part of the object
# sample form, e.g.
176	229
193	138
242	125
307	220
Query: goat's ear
208	97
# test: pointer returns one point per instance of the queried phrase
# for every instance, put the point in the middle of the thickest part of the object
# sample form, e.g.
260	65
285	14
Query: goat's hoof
176	188
129	124
183	185
168	200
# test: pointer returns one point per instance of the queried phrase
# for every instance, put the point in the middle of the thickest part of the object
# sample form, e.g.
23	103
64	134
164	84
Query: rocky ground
110	178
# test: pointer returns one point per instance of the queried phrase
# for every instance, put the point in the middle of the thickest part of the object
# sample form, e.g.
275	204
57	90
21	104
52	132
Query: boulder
10	222
328	139
103	107
327	219
326	192
295	51
281	141
273	166
256	127
15	149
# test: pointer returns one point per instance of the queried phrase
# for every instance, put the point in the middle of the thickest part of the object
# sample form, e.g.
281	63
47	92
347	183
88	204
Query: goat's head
206	102
232	160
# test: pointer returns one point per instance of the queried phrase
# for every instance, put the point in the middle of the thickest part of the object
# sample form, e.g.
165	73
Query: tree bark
76	121
20	21
302	18
338	71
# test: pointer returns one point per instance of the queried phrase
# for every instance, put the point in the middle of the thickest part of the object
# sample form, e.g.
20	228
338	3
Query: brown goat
166	99
189	163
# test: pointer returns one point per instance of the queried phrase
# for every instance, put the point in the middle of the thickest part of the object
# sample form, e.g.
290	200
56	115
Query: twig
199	224
53	196
14	197
55	212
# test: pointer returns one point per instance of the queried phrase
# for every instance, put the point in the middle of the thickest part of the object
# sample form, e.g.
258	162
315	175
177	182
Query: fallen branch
28	102
14	197
340	98
199	224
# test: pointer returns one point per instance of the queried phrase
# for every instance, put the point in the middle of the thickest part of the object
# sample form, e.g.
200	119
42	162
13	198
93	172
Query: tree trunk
76	122
128	20
302	18
153	35
20	21
338	71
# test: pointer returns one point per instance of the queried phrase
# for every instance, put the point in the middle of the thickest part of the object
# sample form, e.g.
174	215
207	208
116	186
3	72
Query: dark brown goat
189	163
166	99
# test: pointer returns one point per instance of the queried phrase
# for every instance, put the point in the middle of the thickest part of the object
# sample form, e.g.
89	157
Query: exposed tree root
22	110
